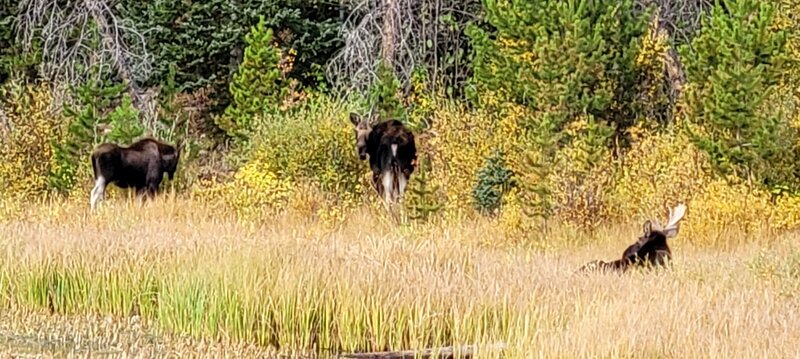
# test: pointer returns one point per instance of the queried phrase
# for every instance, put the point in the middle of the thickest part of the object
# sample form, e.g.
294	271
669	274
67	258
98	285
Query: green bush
314	146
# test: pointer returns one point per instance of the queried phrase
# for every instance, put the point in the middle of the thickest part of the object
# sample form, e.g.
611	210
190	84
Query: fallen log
451	352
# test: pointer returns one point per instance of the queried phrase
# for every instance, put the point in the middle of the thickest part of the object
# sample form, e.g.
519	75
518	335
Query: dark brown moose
650	249
140	166
391	150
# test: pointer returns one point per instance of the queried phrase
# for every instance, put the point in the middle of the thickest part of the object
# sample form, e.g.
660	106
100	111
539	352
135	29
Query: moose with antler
650	249
391	150
141	165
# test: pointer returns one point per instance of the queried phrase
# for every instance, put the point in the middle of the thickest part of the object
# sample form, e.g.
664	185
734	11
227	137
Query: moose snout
362	153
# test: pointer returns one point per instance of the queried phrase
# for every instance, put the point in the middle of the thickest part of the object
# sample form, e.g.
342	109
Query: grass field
291	285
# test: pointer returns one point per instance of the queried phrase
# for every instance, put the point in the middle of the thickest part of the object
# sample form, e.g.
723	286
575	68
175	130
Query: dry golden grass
296	285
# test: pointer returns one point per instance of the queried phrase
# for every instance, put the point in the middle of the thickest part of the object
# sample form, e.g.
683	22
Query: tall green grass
295	285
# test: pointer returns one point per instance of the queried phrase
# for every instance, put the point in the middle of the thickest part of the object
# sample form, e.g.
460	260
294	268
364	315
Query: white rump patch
394	150
98	192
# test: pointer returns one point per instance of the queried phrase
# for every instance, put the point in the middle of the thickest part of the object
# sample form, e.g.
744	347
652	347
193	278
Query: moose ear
374	119
647	227
354	118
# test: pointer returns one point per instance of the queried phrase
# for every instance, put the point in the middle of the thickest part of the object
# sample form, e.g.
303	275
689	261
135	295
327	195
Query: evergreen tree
257	87
564	58
535	190
205	40
493	181
7	13
733	66
421	196
384	95
170	114
13	63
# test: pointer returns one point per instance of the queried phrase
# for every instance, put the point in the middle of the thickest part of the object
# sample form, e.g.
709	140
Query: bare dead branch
76	36
406	34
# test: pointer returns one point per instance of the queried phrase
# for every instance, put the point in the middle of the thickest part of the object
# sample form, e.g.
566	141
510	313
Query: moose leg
98	192
402	183
139	195
388	184
591	266
619	265
145	194
153	180
376	183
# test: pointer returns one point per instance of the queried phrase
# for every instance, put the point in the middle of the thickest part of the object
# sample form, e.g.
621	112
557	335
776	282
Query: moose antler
675	216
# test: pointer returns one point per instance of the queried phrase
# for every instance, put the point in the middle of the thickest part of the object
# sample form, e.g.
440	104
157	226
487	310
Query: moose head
651	247
363	128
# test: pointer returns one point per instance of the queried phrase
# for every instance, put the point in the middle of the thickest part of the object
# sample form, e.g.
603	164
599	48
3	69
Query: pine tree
537	166
494	179
384	95
422	201
170	114
734	65
256	87
205	39
565	58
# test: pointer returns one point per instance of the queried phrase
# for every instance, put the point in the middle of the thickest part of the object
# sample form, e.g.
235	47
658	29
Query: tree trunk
389	19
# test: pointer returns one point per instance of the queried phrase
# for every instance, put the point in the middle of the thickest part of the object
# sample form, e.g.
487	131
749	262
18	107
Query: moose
141	166
650	249
391	150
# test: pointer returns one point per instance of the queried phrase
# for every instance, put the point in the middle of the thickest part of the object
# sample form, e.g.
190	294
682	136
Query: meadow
546	131
292	285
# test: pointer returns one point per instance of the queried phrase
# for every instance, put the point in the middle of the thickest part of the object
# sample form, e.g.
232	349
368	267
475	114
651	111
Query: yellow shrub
660	170
650	62
254	192
305	163
512	218
722	209
664	169
25	152
786	214
459	142
787	18
315	146
579	191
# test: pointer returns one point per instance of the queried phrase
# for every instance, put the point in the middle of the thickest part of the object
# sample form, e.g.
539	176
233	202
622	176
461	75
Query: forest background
575	112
